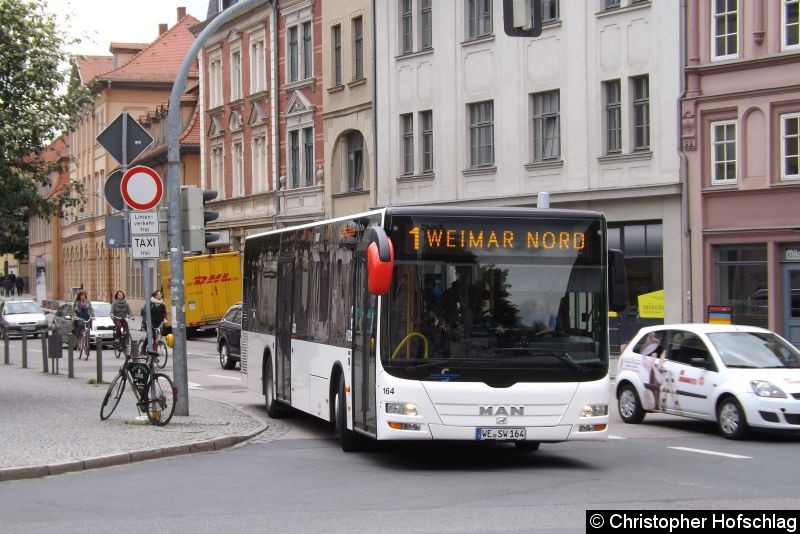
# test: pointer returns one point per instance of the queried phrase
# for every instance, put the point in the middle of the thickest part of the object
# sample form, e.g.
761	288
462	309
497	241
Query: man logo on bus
212	279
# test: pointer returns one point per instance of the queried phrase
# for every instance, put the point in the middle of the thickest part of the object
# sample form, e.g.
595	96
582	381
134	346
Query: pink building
741	136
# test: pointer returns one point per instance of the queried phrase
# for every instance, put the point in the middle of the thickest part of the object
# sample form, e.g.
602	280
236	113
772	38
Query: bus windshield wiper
562	355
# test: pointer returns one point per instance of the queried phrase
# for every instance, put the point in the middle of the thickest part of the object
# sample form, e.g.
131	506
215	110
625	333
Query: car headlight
763	388
401	408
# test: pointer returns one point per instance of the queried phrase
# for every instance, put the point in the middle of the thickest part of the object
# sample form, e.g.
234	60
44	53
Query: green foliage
36	106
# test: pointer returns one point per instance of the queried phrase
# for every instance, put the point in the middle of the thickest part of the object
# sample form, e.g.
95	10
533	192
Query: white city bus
446	323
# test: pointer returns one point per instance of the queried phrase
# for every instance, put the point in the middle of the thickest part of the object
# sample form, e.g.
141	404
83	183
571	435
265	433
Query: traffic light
522	18
195	217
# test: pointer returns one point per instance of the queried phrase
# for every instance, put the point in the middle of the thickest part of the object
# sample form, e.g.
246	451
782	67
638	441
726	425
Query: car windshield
14	308
101	309
754	350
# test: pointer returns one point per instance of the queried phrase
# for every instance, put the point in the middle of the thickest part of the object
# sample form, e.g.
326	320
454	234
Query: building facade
135	79
741	136
347	73
586	111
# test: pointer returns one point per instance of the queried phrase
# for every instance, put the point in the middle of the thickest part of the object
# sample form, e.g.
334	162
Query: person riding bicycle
81	310
158	314
120	311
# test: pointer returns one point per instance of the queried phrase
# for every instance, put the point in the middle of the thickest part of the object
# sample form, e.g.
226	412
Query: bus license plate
499	434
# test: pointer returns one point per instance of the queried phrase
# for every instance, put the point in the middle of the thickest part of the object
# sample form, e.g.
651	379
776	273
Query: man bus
420	323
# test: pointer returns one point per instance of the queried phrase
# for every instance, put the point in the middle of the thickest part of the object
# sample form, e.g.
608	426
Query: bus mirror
379	272
617	281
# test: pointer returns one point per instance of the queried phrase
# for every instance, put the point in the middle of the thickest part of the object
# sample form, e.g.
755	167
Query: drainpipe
686	267
374	193
273	28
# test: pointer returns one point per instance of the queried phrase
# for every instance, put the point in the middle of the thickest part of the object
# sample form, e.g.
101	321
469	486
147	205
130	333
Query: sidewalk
50	424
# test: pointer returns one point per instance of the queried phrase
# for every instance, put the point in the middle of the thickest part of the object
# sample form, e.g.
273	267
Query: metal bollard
70	361
98	345
5	350
24	350
44	351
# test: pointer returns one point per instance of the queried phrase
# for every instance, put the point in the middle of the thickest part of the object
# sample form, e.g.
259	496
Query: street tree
36	106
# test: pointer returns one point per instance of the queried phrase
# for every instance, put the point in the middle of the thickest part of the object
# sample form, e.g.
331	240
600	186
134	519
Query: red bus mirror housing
379	272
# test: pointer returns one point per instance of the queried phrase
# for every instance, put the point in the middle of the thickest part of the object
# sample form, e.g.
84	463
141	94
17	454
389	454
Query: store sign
651	305
792	254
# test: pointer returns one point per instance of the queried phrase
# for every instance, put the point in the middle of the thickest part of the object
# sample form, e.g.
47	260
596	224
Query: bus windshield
496	301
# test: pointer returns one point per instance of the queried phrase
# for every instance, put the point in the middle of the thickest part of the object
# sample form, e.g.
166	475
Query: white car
738	376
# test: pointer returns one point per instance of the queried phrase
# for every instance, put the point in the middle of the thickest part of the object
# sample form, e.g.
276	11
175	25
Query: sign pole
174	129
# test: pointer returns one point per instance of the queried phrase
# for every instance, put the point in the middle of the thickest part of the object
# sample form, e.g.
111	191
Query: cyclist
81	310
158	313
120	312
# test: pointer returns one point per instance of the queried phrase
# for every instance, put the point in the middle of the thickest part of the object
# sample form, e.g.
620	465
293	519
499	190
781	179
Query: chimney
162	29
181	13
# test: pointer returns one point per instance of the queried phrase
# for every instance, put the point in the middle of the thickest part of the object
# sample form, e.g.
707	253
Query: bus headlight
401	408
594	410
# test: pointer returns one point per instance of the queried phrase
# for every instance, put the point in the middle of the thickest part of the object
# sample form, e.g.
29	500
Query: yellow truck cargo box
212	284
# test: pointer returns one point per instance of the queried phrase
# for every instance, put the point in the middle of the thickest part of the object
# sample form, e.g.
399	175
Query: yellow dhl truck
213	283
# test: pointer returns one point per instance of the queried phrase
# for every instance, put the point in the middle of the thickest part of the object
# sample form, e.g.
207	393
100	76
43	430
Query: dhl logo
212	279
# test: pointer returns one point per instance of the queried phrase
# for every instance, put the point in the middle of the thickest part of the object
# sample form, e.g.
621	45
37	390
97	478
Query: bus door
365	328
284	329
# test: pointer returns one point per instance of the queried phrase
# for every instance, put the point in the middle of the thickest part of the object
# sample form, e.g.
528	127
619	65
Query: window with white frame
407	130
546	126
725	29
308	156
479	13
611	4
238	168
426	125
549	11
425	24
481	134
355	161
613	116
723	152
358	48
294	157
336	41
215	83
299	52
406	27
790	28
259	162
236	75
790	146
217	169
640	86
258	66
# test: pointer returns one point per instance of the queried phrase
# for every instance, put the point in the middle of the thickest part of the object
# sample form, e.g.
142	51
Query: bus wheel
347	438
275	409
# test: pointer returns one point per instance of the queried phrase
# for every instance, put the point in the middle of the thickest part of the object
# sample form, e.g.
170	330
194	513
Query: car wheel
225	357
731	420
629	405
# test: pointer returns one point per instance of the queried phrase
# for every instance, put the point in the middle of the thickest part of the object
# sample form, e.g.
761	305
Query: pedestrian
20	284
81	310
120	311
8	287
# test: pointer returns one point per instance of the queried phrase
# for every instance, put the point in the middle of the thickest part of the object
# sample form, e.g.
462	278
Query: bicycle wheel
161	398
83	347
126	344
112	397
163	355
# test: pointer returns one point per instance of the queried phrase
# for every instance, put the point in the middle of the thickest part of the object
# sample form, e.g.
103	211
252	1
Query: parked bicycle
83	327
154	392
122	337
158	346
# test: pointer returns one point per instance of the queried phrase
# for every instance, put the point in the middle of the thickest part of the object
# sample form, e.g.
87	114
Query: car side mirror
699	362
67	317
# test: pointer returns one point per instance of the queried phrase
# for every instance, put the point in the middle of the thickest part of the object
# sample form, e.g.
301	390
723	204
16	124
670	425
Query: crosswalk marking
714	453
610	436
227	377
195	385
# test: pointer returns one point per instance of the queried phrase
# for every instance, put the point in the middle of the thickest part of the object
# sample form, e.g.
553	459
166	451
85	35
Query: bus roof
451	211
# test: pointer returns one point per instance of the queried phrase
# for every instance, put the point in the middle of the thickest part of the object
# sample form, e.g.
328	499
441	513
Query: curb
209	445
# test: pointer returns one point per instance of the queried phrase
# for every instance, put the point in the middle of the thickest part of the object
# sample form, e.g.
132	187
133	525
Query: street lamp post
175	233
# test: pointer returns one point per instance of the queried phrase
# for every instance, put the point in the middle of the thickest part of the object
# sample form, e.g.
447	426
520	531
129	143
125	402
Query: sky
99	22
